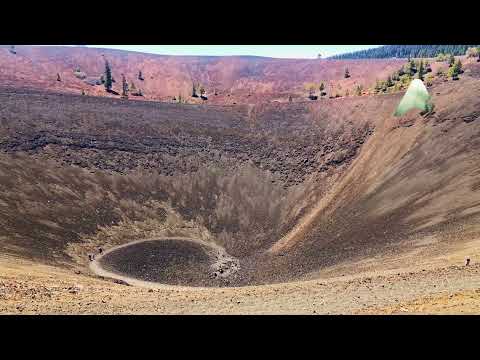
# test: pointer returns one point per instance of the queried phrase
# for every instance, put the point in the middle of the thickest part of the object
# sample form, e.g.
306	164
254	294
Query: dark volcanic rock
171	140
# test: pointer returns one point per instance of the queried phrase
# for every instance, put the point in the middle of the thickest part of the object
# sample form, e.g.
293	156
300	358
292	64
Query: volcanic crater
235	195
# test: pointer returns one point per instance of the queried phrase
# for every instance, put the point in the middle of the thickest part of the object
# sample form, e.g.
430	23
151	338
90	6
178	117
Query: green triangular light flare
417	96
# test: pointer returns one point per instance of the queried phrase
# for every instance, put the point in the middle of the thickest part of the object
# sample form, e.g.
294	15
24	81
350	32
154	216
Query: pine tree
389	82
409	68
202	93
458	67
194	91
428	67
452	73
140	75
108	77
383	85
124	87
378	86
58	77
12	49
359	90
347	74
421	71
322	88
451	60
455	70
413	67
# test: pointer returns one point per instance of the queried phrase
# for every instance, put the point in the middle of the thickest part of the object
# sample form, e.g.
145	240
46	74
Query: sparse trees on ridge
405	51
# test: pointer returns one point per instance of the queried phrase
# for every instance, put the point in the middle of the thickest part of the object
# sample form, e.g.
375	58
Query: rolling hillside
236	79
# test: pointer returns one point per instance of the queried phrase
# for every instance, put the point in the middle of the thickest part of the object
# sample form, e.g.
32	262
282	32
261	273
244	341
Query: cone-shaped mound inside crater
416	97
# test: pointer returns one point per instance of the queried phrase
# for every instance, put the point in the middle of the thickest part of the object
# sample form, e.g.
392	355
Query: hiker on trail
90	257
468	262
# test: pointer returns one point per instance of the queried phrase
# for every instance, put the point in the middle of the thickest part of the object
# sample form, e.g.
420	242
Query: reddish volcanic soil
239	79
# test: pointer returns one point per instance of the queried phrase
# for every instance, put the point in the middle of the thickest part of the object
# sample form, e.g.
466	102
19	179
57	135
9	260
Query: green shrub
429	79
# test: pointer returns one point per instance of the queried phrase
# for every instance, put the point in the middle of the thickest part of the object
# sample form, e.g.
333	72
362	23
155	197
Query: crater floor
172	261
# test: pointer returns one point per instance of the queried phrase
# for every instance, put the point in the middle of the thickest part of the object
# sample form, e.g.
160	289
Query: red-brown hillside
241	79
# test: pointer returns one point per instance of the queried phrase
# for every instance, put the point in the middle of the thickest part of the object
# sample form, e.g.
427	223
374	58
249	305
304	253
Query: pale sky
277	51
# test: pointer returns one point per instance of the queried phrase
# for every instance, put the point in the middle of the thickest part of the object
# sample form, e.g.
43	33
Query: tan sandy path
29	288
